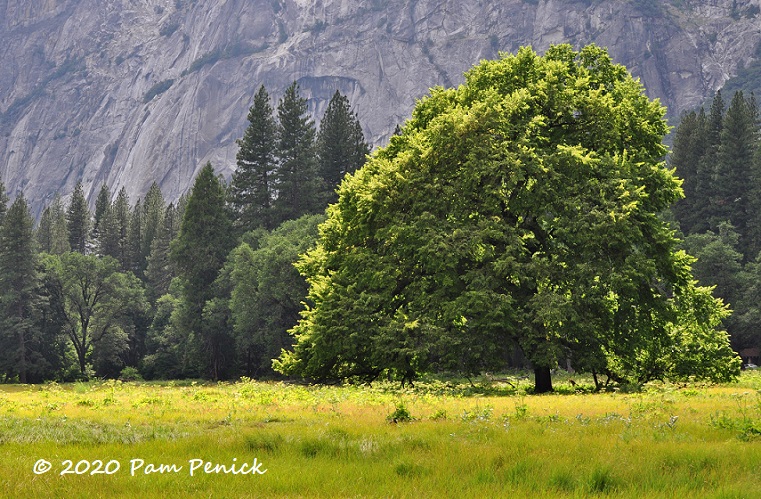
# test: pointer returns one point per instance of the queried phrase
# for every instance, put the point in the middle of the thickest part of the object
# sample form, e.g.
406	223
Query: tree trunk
542	379
22	356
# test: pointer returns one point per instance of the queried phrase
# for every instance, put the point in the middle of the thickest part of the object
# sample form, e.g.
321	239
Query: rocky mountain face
125	92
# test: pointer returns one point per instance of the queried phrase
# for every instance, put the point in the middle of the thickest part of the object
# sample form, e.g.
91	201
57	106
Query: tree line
204	287
717	153
522	216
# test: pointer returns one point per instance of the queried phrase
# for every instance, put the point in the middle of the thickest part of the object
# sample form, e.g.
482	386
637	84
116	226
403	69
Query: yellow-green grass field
435	440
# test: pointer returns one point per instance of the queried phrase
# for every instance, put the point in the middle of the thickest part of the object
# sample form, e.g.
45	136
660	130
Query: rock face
131	91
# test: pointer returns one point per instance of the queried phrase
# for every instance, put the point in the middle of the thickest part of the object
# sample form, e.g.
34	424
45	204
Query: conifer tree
688	151
135	240
160	268
199	251
734	165
153	217
251	188
78	220
341	146
18	288
52	235
3	202
102	204
296	176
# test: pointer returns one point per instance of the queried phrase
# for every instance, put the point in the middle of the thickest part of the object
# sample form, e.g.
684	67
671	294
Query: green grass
438	439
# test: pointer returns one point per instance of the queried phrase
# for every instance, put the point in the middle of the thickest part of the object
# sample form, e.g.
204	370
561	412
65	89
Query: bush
130	374
400	415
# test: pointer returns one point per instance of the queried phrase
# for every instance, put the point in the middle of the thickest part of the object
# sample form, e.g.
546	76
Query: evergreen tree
251	188
135	240
160	268
113	230
734	165
18	289
78	221
341	146
52	234
687	153
153	218
3	202
102	204
199	251
706	217
296	178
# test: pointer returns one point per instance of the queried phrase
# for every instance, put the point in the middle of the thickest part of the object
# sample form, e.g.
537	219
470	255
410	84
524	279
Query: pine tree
113	230
18	288
160	268
153	218
753	249
52	234
341	146
699	211
734	165
296	176
251	188
102	204
3	202
135	240
78	220
199	251
688	151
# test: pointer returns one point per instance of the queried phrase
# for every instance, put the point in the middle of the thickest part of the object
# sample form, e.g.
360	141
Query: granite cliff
131	91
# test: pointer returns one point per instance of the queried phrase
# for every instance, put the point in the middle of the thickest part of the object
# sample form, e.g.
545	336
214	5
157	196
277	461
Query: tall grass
438	439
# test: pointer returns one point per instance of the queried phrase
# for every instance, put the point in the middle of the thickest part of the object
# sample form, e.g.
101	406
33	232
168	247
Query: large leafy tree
518	209
266	291
96	301
341	146
252	186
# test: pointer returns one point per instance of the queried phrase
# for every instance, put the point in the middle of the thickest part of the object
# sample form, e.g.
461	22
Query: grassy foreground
141	440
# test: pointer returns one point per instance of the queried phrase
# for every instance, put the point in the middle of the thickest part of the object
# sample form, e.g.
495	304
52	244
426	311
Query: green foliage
130	374
268	292
296	179
400	414
199	252
341	146
78	220
51	234
97	303
159	267
518	209
19	296
252	189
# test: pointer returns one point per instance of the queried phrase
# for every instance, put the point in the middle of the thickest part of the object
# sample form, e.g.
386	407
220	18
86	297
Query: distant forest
201	288
717	153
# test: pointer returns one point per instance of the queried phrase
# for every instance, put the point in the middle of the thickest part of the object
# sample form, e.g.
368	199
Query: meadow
438	439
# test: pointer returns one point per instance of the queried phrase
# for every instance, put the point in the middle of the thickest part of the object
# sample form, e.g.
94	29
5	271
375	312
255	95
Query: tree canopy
520	210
